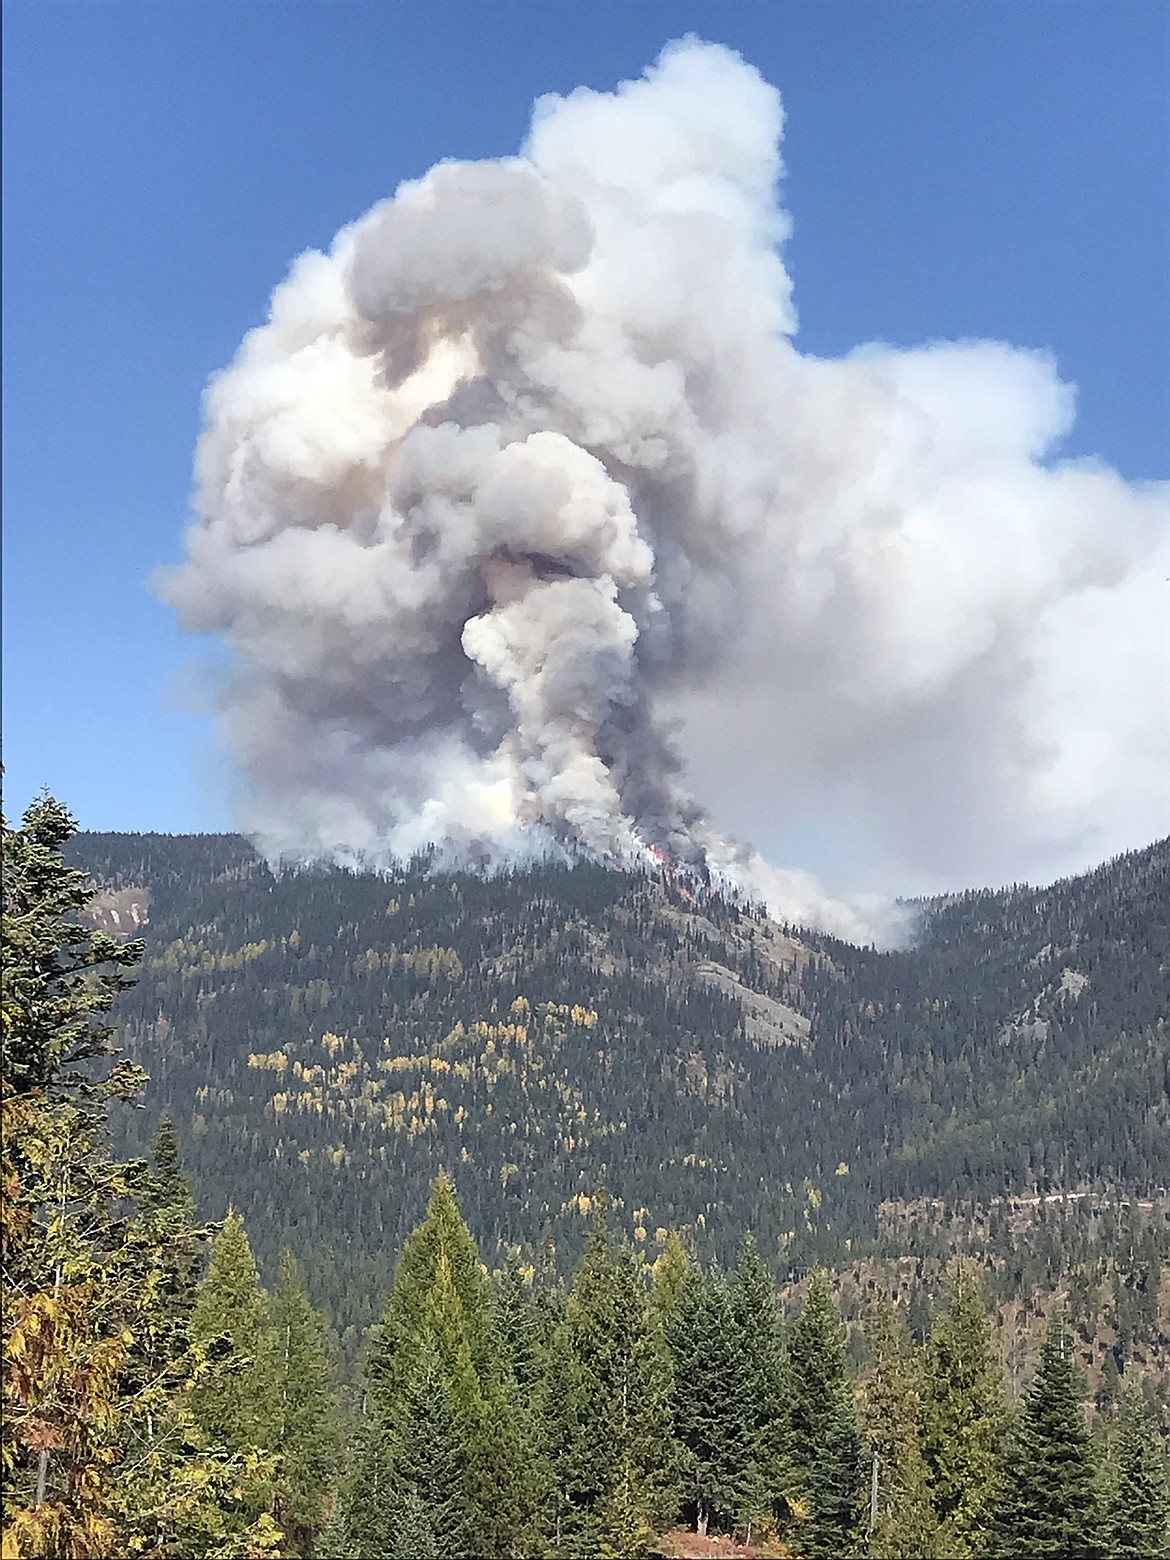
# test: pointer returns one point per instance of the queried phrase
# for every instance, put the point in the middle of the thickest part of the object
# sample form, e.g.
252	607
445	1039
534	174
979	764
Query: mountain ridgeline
326	1040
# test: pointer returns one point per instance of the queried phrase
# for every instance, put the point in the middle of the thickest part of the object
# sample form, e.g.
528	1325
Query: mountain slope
326	1039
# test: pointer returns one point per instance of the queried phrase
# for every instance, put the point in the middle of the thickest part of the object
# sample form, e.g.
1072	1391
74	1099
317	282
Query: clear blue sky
998	168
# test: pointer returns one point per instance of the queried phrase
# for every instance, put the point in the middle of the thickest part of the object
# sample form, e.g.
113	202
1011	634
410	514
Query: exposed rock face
121	913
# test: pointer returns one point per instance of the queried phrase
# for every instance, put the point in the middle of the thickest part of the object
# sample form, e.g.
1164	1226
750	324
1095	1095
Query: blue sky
993	169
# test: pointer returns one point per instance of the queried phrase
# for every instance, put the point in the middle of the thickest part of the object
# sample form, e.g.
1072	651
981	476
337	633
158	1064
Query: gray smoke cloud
527	469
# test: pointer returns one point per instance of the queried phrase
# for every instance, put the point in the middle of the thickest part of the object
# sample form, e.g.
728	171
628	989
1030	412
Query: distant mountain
325	1040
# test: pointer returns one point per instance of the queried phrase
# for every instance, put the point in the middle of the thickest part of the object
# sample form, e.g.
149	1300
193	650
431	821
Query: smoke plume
527	467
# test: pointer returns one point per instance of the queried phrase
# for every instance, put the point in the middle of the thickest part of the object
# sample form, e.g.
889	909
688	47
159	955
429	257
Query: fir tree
239	1408
305	1433
563	1411
825	1445
1047	1502
99	1454
442	1237
625	1452
964	1409
753	1306
904	1522
713	1421
516	1327
832	1528
438	1354
1137	1518
669	1276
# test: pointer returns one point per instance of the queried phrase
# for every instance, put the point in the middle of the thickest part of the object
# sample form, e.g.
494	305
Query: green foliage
826	1448
443	1454
306	1432
620	1403
57	974
230	1319
767	1387
964	1409
1137	1517
713	1408
903	1521
1047	1501
100	1454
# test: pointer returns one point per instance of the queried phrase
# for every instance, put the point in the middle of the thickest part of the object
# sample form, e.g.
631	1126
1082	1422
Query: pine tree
964	1409
753	1305
1046	1499
305	1433
712	1404
438	1338
825	1445
832	1528
904	1522
98	1440
1137	1518
239	1408
625	1458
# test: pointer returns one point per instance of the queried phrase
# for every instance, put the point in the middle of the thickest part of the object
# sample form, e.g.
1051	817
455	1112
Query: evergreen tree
305	1433
563	1412
167	1185
625	1453
441	1237
1137	1519
167	1216
58	976
516	1328
832	1528
669	1275
1047	1500
438	1353
713	1421
239	1408
964	1409
768	1469
904	1522
825	1445
429	1442
98	1449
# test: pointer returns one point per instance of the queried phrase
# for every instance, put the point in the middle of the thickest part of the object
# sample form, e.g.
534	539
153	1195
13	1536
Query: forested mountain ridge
326	1039
645	1403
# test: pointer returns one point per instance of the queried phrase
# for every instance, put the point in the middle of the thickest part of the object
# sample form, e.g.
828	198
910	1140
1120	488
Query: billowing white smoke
528	463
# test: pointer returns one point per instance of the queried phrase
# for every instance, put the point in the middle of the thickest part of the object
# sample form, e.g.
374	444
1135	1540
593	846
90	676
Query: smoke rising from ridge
527	467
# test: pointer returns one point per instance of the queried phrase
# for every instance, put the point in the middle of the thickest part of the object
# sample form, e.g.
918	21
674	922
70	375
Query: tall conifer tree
626	1454
239	1407
757	1322
904	1522
1046	1504
438	1353
964	1409
825	1445
712	1405
305	1433
1137	1518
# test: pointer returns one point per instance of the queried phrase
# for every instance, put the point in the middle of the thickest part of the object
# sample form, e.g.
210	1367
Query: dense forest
952	1369
326	1041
